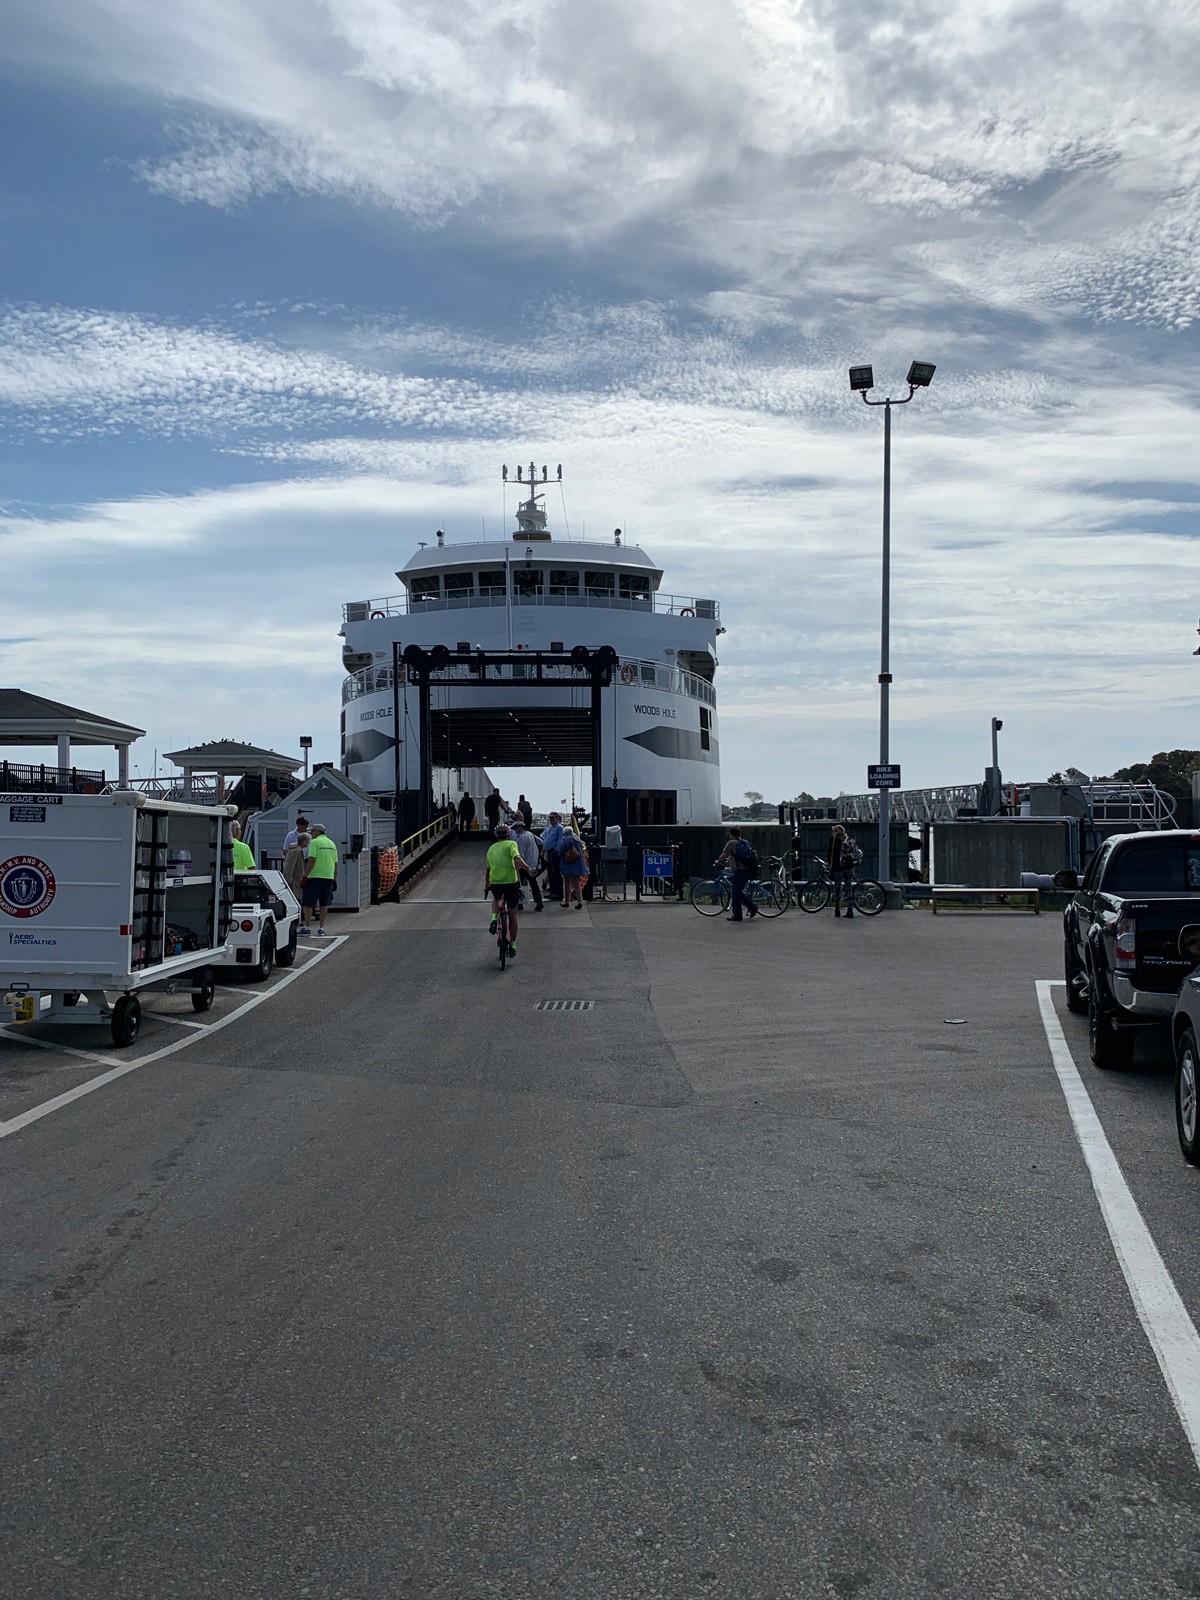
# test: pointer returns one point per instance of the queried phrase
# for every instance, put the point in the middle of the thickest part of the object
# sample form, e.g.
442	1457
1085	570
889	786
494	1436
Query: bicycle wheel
710	896
502	936
813	895
768	897
869	897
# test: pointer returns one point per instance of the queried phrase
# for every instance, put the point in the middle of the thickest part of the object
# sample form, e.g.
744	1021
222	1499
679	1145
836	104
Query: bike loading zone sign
884	776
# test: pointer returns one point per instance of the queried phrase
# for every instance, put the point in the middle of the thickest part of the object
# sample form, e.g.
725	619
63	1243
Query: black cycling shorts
511	893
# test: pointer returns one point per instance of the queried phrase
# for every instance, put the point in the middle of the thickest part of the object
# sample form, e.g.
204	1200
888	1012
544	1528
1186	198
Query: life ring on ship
378	616
688	611
627	673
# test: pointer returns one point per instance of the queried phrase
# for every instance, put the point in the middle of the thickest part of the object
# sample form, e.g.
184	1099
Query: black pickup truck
1132	934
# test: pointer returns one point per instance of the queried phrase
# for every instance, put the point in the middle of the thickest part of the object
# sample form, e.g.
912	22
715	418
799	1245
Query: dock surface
774	1271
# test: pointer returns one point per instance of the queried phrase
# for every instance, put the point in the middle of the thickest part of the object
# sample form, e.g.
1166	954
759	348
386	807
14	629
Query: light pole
862	381
306	746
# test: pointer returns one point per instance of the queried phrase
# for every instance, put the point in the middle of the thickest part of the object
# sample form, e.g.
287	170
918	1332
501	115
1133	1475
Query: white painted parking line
57	1049
35	1113
1163	1315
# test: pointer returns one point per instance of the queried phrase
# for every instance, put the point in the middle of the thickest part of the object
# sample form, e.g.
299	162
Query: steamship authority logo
26	886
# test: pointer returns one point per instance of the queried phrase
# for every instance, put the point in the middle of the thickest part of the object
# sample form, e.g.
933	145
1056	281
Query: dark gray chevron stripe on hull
367	745
678	744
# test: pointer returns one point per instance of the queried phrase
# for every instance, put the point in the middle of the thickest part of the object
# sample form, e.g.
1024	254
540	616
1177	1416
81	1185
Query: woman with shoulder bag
574	868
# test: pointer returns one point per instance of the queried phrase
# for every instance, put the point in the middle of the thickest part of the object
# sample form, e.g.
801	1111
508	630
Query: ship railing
630	673
660	605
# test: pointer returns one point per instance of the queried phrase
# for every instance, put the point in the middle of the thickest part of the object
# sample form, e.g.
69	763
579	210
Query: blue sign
657	864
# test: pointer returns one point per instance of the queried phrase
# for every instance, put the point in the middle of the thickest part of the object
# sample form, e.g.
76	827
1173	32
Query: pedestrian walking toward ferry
574	868
319	882
466	814
741	860
552	845
491	810
293	863
525	811
531	854
842	859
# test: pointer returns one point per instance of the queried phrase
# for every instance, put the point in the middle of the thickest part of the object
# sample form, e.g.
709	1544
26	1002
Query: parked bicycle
711	896
869	897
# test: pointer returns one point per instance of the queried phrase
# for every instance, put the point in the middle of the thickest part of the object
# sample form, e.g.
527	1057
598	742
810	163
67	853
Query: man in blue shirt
552	845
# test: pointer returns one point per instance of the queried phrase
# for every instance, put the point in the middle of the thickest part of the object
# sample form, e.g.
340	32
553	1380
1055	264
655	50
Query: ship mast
531	517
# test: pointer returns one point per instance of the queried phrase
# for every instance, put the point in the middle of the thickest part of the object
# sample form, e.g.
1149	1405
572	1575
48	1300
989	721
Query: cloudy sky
284	282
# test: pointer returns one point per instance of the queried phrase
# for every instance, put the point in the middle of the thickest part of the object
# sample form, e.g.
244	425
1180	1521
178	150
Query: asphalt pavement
774	1271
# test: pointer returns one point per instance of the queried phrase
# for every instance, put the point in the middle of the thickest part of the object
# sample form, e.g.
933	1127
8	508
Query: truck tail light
247	925
1126	947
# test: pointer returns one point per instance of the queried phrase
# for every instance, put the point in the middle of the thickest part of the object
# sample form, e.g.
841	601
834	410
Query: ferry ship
650	736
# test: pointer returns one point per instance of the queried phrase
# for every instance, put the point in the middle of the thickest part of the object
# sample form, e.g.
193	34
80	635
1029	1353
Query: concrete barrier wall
992	853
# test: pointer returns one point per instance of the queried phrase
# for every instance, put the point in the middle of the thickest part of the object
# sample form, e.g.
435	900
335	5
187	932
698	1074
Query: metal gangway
1142	805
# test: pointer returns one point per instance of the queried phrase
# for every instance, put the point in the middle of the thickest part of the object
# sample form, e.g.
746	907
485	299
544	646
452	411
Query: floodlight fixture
861	378
920	374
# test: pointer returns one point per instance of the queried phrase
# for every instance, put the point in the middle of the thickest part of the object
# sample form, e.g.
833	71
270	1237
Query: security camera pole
862	380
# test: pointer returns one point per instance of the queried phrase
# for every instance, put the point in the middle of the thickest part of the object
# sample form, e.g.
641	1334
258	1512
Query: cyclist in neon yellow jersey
502	880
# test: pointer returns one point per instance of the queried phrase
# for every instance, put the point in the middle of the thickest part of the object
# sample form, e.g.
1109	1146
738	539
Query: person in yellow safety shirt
502	880
319	880
243	856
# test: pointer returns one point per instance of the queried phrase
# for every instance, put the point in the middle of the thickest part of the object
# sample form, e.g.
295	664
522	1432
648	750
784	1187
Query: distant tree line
1170	770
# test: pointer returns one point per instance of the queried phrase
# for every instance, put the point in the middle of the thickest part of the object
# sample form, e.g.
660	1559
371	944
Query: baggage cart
103	897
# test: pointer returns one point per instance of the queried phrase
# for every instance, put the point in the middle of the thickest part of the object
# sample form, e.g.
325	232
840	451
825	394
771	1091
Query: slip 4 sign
26	886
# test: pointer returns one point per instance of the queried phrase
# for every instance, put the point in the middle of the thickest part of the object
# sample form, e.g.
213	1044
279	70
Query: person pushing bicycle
502	880
740	859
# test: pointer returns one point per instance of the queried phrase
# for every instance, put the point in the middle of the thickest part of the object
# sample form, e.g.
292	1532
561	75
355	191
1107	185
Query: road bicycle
869	897
503	937
712	896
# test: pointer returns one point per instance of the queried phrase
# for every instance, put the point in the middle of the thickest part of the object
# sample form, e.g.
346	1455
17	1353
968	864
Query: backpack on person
851	855
746	856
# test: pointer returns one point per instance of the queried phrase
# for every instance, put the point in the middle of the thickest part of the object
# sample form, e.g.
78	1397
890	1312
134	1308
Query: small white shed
352	818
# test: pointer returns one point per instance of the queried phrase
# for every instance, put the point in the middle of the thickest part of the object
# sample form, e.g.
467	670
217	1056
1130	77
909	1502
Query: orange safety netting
389	870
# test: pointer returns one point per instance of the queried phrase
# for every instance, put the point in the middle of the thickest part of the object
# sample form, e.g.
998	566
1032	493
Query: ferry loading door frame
442	667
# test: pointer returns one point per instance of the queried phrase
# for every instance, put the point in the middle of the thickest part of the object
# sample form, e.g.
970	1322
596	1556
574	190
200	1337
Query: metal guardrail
400	605
630	673
24	777
426	835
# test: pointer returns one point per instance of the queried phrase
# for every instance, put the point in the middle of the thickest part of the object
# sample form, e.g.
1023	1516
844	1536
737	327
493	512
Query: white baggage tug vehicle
105	896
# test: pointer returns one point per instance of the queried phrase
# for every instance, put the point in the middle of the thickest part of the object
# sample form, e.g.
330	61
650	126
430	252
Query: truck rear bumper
1147	1005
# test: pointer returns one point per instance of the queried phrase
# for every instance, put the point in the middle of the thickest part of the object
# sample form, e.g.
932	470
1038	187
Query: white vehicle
105	896
264	925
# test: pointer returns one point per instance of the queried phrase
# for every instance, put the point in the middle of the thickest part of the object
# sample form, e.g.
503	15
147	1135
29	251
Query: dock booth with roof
30	720
228	771
352	818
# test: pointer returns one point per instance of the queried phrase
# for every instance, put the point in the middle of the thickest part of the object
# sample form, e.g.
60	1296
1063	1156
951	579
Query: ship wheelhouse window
600	585
635	586
491	582
563	581
527	582
424	588
459	585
